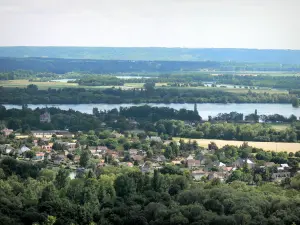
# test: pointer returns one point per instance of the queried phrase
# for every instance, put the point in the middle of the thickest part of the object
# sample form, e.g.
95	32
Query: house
219	164
116	134
43	133
39	156
63	133
217	175
71	146
147	167
189	157
45	117
176	162
9	150
241	162
138	158
142	153
228	169
269	164
198	174
280	175
127	164
192	163
76	158
102	149
23	150
133	152
285	166
47	148
59	159
159	158
7	132
154	138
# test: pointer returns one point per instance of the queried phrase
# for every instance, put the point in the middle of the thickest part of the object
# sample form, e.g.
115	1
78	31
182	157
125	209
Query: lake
205	110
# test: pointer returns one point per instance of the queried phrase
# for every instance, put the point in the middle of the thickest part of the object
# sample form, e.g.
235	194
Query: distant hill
61	66
162	54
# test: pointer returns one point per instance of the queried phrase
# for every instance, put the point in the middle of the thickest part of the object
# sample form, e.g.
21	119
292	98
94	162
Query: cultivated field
41	85
56	84
267	146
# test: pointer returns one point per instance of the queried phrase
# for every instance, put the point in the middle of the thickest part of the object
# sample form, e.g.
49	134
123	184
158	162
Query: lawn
267	146
280	127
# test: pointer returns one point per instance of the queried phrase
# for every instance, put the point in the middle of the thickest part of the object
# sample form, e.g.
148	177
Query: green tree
84	158
62	179
29	154
295	102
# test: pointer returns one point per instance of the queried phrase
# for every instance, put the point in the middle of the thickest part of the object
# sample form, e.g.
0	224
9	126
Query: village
61	148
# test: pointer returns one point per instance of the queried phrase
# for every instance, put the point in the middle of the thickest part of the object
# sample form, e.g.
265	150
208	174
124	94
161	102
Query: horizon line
72	46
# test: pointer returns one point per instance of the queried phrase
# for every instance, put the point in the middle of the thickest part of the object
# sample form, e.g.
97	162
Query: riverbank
205	109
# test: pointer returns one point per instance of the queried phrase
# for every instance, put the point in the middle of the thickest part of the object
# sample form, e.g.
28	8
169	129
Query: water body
205	110
63	80
132	77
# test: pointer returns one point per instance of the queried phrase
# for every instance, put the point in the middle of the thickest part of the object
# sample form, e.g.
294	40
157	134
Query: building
23	150
39	156
7	132
192	163
199	174
133	152
159	159
154	138
241	162
217	175
45	117
43	133
280	175
71	146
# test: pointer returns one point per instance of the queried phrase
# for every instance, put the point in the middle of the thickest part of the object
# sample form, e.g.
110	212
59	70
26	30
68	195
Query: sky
263	24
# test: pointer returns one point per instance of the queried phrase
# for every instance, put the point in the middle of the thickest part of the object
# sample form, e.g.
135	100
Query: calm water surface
205	110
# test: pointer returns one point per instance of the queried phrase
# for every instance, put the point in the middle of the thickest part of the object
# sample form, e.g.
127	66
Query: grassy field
267	146
280	127
53	84
239	90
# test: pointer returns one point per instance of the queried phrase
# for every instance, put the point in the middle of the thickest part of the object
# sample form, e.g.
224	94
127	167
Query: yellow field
267	146
41	85
56	84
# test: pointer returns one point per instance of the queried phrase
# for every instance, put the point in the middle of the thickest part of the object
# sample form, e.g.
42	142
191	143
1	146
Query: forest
32	194
149	94
61	66
242	56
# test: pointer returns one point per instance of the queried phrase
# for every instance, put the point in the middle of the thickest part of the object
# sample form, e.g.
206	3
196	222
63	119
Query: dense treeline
100	81
61	66
259	56
31	95
27	119
112	195
164	121
224	131
156	113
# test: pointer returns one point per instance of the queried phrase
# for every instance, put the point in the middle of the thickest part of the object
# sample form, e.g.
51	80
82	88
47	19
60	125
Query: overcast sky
163	23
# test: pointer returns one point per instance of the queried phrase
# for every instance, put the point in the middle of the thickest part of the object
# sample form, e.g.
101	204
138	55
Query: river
205	110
